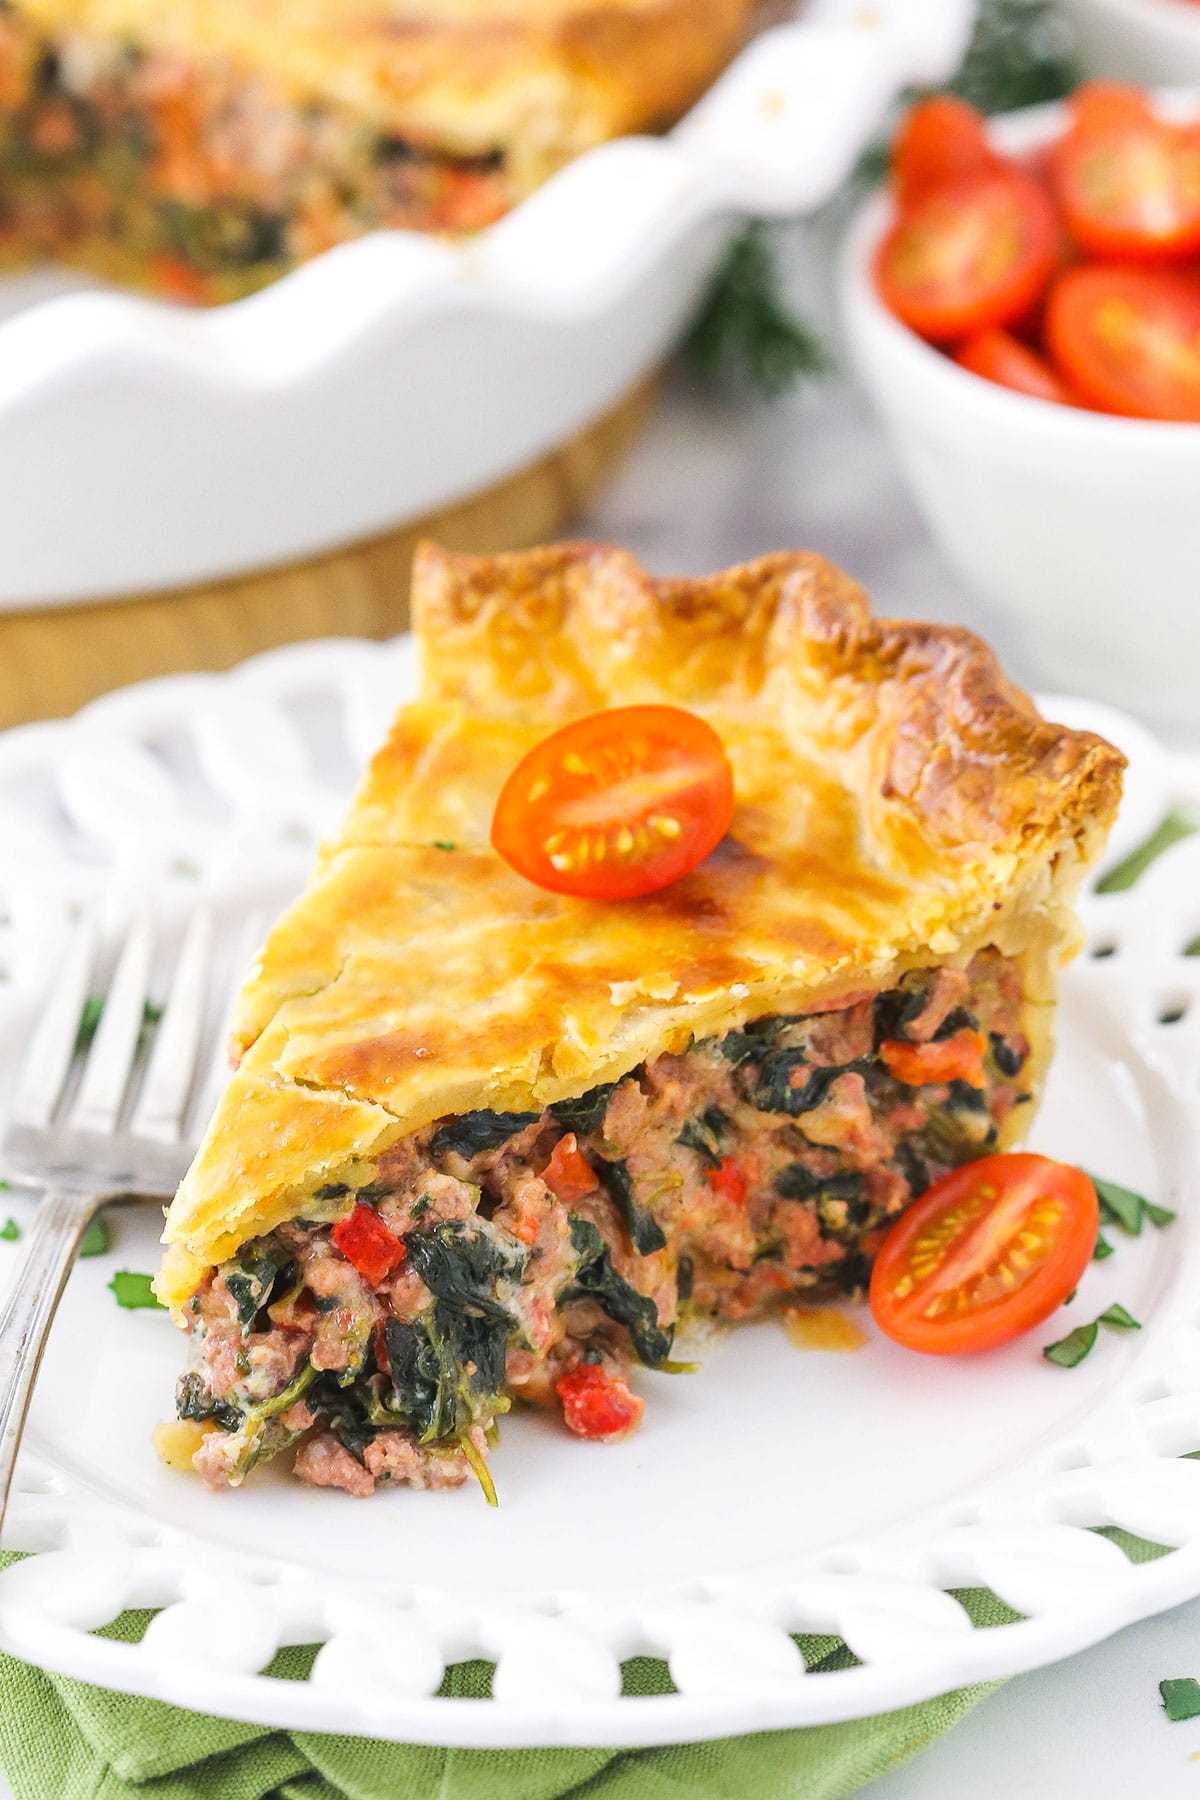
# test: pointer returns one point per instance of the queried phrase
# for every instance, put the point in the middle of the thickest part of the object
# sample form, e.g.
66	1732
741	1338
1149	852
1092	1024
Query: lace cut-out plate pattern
776	1494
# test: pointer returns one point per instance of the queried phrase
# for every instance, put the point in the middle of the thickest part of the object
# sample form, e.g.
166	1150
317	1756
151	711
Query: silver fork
106	1135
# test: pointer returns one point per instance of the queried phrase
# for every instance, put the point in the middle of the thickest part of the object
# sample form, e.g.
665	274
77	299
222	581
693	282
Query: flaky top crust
538	79
898	803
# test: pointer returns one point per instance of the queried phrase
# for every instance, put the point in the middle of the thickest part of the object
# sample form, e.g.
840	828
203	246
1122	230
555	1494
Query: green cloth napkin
64	1740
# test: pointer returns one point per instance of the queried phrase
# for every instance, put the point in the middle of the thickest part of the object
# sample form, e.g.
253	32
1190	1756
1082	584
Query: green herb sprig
10	1232
744	333
1181	1698
1021	54
134	1291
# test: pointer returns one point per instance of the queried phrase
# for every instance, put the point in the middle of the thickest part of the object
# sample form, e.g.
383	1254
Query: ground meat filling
211	180
536	1256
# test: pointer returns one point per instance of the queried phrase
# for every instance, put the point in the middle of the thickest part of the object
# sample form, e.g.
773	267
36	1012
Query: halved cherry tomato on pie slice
1129	188
986	1253
568	1174
940	139
1002	358
616	805
364	1240
1128	340
956	1058
598	1405
969	254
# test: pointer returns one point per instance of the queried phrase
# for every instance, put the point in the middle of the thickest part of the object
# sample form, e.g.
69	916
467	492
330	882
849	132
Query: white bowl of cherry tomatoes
1156	41
1023	306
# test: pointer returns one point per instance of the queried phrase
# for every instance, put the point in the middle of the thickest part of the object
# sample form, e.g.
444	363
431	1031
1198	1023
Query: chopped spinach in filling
753	1164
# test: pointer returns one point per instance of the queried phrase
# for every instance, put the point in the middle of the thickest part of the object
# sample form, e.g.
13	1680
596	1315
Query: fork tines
137	1064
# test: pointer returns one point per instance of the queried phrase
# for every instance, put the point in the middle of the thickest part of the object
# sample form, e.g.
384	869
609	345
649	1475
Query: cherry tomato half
1000	357
1097	105
1129	188
618	804
1128	340
941	139
987	1252
972	253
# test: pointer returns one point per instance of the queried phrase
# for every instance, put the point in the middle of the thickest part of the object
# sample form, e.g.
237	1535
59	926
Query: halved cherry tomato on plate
1129	188
618	804
940	139
1128	340
969	254
1003	359
568	1174
956	1058
364	1240
987	1252
598	1405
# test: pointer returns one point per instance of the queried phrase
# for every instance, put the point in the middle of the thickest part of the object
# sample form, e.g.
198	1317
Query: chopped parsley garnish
1103	1248
1074	1347
1181	1698
1120	1318
1077	1344
444	844
134	1291
1122	1207
10	1231
95	1239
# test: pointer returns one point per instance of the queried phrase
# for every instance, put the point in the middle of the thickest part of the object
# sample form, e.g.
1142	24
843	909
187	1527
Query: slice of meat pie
487	1142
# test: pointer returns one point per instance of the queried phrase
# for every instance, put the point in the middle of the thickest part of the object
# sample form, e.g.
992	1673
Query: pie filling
496	1256
197	179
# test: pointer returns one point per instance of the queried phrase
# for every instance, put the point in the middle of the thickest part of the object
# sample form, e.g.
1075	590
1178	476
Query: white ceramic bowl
1151	41
143	446
1085	528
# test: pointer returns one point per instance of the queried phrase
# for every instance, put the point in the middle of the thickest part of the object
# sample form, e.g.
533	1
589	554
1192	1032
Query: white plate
776	1492
399	373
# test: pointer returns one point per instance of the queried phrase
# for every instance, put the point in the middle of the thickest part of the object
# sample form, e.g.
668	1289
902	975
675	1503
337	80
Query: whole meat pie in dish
201	147
487	1142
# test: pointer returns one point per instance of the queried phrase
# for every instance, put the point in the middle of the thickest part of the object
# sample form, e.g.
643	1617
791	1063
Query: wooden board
53	660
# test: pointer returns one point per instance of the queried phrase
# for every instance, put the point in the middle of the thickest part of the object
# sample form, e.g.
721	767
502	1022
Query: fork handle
25	1319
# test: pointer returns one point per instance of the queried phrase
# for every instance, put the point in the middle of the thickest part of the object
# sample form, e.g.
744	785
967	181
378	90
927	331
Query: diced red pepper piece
176	280
598	1405
569	1174
957	1058
727	1182
364	1240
